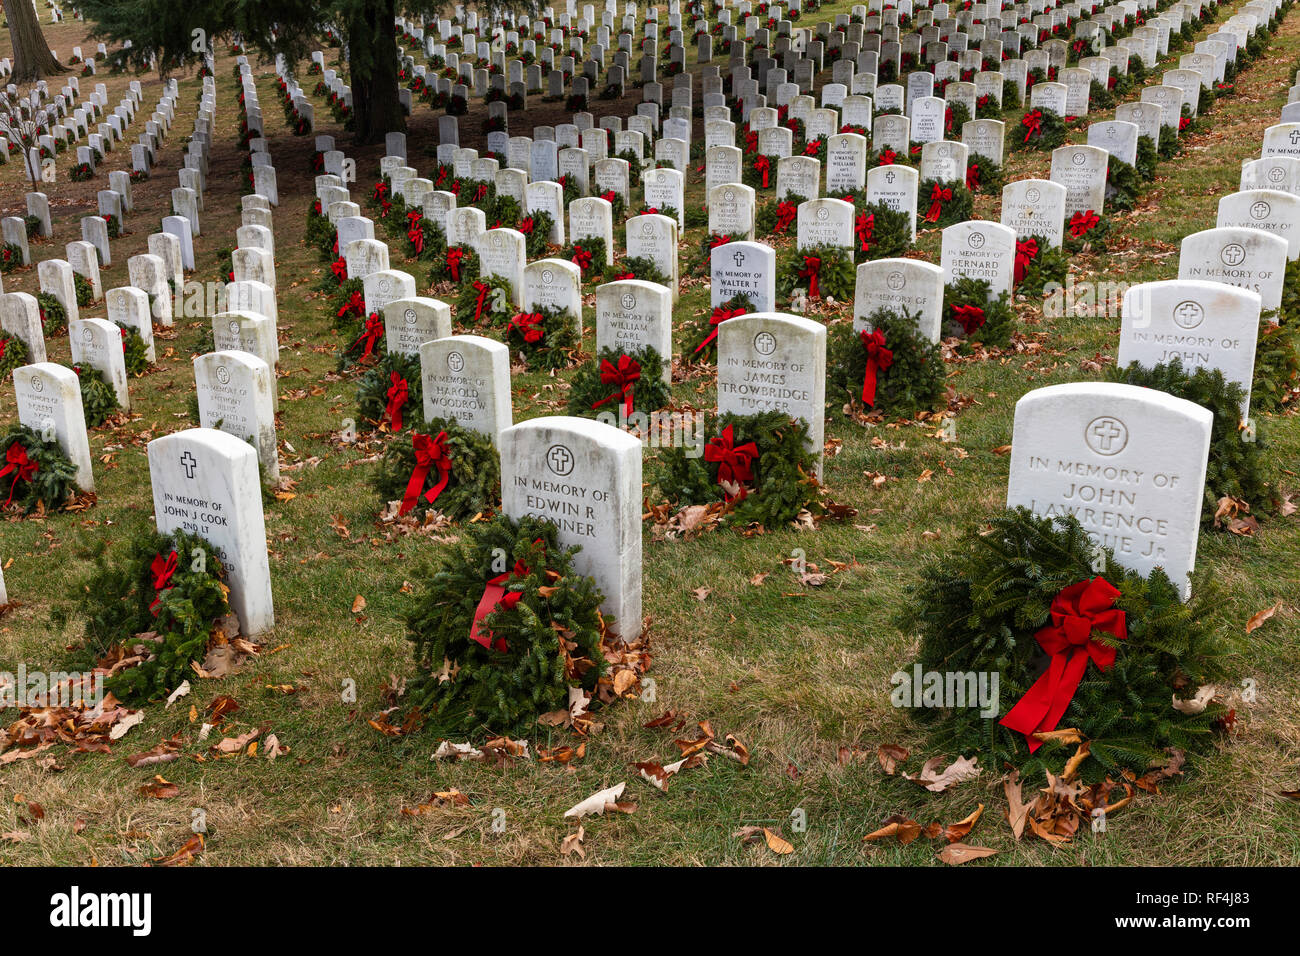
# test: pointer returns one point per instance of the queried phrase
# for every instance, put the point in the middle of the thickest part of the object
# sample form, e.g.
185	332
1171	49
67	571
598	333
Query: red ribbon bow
430	453
864	226
624	275
608	196
162	570
733	461
340	270
719	316
454	255
764	167
786	213
19	465
715	241
938	196
356	305
812	268
1032	122
622	376
496	596
529	325
1077	611
887	157
973	177
1026	252
971	317
526	226
1082	222
879	359
480	297
581	258
374	328
381	190
415	235
398	393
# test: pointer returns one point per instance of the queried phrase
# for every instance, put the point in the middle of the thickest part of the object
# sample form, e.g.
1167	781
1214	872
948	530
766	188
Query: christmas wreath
81	173
365	340
700	338
536	227
13	354
636	267
114	225
11	257
825	271
168	593
893	368
389	391
321	234
588	254
444	468
1086	230
1025	587
98	400
1277	363
619	383
483	300
759	465
880	231
347	304
85	291
1038	263
457	264
945	202
54	317
984	176
1235	467
1040	129
543	338
424	237
135	354
969	311
778	218
34	473
1122	184
503	630
1147	158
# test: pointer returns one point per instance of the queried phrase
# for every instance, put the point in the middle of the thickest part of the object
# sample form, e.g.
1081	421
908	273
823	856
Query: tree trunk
32	57
372	64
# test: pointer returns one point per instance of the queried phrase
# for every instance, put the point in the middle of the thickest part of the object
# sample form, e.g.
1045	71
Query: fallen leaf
936	782
358	604
573	844
955	854
597	802
1258	619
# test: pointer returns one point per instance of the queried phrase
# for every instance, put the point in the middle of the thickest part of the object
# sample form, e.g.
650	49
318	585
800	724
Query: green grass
797	672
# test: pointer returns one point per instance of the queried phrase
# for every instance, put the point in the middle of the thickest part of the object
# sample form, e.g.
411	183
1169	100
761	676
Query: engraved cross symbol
739	260
1189	312
189	463
1106	432
1295	137
560	460
890	177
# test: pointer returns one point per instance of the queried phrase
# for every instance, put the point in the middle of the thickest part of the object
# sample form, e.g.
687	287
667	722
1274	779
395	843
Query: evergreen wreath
825	271
536	227
979	607
347	303
1235	467
424	238
1277	362
98	400
114	225
636	267
984	176
321	234
13	354
699	337
1147	158
135	354
1122	184
85	291
364	341
34	472
542	633
54	317
170	586
945	203
764	458
1039	129
11	257
619	382
442	467
1038	263
969	311
909	373
33	224
390	391
457	264
1085	230
879	231
81	173
778	218
483	300
588	254
543	339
